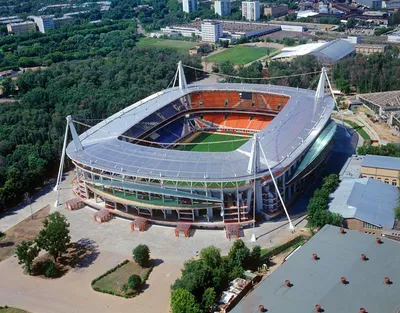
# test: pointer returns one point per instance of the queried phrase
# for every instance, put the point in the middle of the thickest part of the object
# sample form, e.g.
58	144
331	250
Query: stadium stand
211	99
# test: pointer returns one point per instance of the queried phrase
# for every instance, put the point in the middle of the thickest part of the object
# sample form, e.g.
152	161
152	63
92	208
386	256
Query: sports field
240	55
211	142
182	46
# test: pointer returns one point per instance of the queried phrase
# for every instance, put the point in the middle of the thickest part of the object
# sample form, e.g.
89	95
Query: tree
239	254
54	237
196	278
141	255
209	297
211	256
397	212
236	272
182	301
256	255
8	87
134	282
331	182
26	252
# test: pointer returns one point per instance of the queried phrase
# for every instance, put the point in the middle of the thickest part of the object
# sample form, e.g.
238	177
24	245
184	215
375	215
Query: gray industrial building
370	281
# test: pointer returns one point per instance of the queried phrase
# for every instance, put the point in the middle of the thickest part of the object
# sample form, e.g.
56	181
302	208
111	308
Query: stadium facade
145	160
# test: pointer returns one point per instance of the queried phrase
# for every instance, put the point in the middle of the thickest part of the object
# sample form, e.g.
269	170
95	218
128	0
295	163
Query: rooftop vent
388	281
379	240
362	310
364	257
315	256
261	308
287	283
343	280
342	231
318	308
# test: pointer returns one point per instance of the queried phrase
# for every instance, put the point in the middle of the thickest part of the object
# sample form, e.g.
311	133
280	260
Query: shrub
182	301
125	288
49	269
141	255
134	282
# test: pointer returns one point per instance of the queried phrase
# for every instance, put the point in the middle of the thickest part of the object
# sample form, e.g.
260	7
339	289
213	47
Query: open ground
113	243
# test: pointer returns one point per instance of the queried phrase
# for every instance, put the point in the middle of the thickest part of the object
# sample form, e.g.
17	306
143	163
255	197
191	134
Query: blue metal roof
366	199
391	163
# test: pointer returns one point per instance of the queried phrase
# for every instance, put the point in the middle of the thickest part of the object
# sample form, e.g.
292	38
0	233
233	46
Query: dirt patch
385	132
25	230
79	254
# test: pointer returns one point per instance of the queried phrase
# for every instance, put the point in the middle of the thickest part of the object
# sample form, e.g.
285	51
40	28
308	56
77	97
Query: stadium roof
327	52
366	199
292	131
319	281
379	161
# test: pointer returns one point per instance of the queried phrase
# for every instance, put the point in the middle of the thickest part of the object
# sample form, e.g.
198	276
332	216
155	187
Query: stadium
206	154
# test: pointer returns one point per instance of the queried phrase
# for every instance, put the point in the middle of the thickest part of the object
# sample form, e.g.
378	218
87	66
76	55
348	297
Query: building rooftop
331	51
382	99
366	199
379	161
352	167
319	281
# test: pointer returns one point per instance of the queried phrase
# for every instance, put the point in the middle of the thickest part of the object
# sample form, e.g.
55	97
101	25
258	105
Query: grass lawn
265	251
182	46
215	145
121	275
359	129
12	310
240	55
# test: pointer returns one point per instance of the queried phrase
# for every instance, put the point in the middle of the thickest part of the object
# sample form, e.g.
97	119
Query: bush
49	269
141	255
182	301
134	282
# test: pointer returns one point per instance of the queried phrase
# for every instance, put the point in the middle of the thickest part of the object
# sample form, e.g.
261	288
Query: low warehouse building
366	204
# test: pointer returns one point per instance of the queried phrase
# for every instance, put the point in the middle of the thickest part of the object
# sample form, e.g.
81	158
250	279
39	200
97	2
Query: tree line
32	128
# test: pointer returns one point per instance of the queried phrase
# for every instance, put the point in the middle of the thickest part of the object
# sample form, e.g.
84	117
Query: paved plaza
114	242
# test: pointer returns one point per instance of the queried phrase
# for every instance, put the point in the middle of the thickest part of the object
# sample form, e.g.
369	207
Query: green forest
368	73
32	129
73	42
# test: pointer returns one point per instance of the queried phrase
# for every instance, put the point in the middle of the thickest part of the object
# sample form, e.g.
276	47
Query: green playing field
211	142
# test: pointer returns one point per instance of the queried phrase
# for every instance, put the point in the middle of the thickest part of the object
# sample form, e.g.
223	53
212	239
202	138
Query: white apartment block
189	5
211	31
43	22
17	28
222	7
251	10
